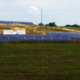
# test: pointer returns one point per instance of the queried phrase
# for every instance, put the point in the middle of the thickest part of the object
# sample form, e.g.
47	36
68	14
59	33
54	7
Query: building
10	32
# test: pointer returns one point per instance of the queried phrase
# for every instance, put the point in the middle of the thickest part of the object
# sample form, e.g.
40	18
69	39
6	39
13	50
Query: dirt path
17	28
72	30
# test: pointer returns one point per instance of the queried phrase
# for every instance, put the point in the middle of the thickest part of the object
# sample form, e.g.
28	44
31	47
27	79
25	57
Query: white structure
7	31
21	32
10	32
15	32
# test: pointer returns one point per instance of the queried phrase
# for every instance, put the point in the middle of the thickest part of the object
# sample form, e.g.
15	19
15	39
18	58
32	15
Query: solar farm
51	35
32	37
40	60
68	34
16	22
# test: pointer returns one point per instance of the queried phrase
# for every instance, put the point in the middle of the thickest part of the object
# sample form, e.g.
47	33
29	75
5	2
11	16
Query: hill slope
32	29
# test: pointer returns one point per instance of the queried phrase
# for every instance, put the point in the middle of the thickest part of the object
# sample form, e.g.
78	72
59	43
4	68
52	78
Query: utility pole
41	17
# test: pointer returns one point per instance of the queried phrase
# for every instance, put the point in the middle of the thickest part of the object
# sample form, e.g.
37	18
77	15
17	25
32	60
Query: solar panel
9	35
19	22
1	35
69	34
11	21
30	38
23	22
77	36
4	21
27	23
0	21
7	21
29	35
21	37
46	37
14	22
64	38
13	38
4	39
31	23
38	37
55	37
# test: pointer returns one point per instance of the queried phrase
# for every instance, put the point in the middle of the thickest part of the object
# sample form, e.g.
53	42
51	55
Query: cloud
1	5
61	16
34	10
58	12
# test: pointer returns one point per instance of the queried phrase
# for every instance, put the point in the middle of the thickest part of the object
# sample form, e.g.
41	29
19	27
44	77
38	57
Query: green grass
76	28
50	28
48	61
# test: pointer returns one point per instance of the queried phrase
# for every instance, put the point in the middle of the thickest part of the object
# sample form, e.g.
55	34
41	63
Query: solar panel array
16	22
32	37
69	34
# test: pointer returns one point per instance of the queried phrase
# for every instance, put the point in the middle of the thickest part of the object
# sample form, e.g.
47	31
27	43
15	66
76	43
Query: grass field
48	61
31	29
75	28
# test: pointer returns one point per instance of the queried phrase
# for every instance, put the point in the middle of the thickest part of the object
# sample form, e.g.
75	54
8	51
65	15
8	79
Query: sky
62	12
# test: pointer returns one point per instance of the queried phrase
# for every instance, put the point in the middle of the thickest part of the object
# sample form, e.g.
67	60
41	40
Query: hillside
33	29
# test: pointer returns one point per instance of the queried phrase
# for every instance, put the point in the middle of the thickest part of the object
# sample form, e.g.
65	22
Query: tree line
53	24
74	25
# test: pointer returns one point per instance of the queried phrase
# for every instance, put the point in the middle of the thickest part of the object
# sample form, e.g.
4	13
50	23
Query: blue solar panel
9	35
38	37
4	39
23	22
0	21
31	23
64	38
29	35
4	21
27	23
1	35
16	22
8	22
13	38
77	36
69	34
55	37
46	37
21	37
30	38
11	21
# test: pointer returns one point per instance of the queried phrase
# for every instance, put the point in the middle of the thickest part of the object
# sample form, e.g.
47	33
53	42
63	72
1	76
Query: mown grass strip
41	61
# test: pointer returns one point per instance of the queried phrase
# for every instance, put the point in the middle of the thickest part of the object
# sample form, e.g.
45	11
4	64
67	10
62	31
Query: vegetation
41	24
36	29
39	60
51	24
30	29
75	28
74	25
48	61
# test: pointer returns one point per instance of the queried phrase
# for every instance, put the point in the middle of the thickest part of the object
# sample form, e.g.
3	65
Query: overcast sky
61	12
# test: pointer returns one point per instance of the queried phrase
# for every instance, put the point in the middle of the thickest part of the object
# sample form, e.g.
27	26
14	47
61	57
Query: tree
68	25
75	25
52	24
46	24
41	24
